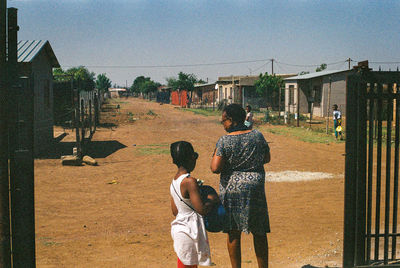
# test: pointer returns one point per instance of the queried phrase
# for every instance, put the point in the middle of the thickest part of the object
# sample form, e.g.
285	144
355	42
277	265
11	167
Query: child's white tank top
187	230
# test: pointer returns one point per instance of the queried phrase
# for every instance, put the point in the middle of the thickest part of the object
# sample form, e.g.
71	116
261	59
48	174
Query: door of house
371	221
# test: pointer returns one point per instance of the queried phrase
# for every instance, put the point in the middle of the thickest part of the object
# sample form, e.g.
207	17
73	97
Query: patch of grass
204	112
303	134
148	149
46	241
150	112
130	117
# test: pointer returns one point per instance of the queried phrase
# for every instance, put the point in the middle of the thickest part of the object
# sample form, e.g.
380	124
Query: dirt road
117	214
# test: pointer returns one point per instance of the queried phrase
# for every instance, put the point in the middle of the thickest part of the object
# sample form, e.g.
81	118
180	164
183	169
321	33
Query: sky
211	38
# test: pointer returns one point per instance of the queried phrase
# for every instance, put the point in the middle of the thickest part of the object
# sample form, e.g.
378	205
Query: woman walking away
187	230
249	117
239	157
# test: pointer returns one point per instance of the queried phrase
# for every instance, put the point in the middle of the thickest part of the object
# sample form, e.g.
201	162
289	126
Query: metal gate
372	170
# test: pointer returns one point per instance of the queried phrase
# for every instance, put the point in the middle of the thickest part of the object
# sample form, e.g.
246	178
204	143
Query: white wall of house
291	97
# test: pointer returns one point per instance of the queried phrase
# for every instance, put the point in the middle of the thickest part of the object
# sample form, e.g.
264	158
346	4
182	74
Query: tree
321	67
183	82
148	87
60	75
303	73
103	83
83	78
268	86
137	84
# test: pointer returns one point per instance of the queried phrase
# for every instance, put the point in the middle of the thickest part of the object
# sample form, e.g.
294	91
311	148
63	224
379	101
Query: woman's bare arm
217	163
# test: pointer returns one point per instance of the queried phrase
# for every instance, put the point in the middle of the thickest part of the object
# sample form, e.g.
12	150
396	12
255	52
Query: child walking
337	121
188	230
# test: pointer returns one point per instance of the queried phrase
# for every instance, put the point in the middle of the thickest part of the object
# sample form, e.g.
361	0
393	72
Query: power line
226	63
168	66
311	65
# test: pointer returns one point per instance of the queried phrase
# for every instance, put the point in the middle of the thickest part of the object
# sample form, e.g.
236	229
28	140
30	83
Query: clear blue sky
187	32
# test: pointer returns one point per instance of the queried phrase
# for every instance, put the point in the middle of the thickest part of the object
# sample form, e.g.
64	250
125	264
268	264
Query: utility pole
272	66
5	242
349	60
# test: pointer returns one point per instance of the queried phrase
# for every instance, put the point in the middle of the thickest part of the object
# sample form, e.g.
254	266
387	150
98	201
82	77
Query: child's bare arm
173	207
195	198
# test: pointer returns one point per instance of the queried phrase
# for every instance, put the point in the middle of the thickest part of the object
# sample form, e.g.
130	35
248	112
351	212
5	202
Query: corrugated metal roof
29	49
314	75
204	85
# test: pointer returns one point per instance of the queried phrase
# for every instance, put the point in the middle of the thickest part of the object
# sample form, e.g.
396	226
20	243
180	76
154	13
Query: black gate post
22	176
350	190
361	168
21	157
5	243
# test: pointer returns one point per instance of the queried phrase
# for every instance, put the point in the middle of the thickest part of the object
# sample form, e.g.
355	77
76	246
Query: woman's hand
217	163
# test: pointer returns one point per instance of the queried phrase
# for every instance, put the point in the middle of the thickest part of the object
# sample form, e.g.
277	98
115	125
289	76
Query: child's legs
181	265
335	125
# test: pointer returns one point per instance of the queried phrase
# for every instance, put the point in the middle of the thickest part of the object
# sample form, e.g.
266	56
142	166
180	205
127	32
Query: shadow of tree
96	149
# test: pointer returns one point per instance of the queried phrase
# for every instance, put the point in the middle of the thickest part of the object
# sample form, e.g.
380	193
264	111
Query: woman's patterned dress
242	182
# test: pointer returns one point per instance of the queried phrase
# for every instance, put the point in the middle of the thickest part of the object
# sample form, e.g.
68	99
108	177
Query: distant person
249	117
188	230
239	157
337	122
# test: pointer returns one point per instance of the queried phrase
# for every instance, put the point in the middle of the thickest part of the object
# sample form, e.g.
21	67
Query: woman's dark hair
248	106
335	106
236	113
181	152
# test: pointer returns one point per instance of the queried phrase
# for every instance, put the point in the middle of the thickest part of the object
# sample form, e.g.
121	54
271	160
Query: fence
87	110
179	98
371	173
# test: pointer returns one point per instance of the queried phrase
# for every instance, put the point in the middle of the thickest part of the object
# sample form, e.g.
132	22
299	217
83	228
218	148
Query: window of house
226	93
230	93
291	94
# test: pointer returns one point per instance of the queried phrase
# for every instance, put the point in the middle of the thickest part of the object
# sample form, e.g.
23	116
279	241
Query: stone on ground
89	161
71	160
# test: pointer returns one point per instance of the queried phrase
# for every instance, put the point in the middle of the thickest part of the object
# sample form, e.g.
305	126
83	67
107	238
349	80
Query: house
116	92
36	59
316	92
204	95
241	90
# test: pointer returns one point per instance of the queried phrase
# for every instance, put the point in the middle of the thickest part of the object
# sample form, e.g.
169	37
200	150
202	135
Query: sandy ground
118	214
